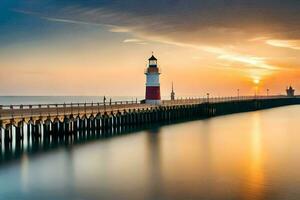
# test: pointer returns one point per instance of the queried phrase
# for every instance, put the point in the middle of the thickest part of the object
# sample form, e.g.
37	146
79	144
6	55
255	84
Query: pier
54	122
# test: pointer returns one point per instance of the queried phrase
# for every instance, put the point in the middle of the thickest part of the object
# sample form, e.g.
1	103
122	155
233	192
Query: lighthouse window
152	62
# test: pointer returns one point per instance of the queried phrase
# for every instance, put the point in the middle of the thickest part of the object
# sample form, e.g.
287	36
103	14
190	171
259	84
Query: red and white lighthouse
152	82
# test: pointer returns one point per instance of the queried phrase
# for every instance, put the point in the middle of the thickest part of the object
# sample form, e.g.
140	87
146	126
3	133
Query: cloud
250	61
70	21
134	40
202	22
118	29
257	62
224	28
291	44
59	20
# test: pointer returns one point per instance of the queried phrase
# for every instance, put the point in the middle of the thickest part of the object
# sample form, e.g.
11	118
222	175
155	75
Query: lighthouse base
153	102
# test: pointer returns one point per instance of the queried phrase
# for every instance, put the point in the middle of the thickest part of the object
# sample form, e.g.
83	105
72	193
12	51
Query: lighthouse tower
152	82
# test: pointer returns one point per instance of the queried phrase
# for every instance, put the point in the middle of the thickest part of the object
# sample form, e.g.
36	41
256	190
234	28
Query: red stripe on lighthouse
152	93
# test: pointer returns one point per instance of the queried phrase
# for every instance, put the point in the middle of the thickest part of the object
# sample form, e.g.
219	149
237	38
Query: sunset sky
101	47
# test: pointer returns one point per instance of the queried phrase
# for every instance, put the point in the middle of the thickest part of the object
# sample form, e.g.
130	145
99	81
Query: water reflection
31	145
153	152
255	180
25	173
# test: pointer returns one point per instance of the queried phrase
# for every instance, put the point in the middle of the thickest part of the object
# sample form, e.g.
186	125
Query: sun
256	81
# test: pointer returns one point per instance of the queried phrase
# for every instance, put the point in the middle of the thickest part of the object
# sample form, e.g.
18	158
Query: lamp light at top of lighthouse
152	67
152	61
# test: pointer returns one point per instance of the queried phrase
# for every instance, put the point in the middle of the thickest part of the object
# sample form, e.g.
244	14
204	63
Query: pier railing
8	112
50	110
183	101
124	103
66	105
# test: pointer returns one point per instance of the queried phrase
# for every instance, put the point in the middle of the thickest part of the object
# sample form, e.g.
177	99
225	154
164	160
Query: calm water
242	156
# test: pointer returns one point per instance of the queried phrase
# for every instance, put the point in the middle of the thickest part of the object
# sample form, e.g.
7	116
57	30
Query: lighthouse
152	82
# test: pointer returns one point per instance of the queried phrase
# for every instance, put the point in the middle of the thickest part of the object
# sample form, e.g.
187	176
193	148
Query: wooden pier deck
54	121
12	114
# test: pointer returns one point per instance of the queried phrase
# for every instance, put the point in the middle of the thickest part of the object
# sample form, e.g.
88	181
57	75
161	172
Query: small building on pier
172	93
290	91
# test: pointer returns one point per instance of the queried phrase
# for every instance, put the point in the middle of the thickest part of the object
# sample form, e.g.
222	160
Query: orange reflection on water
255	175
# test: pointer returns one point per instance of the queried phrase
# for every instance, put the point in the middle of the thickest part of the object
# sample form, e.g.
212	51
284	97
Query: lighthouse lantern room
152	82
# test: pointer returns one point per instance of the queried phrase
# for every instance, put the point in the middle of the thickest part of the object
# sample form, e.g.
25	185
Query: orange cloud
291	44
